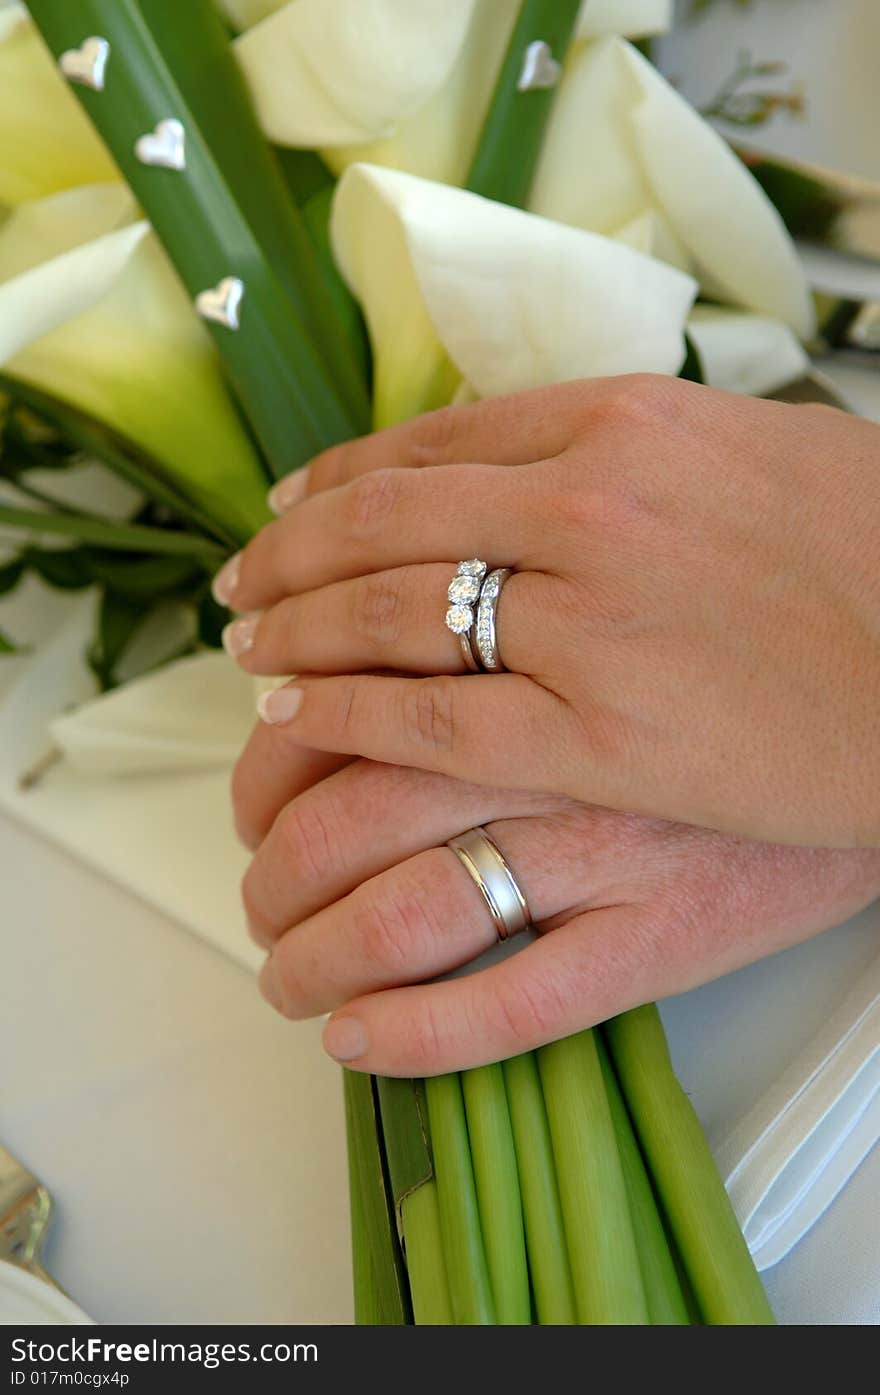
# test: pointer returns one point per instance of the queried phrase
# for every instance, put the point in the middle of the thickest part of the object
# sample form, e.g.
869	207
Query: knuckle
429	714
530	1012
377	609
395	928
636	398
310	840
424	1041
369	501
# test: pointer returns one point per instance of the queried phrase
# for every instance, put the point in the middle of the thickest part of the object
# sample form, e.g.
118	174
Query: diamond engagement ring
487	866
463	595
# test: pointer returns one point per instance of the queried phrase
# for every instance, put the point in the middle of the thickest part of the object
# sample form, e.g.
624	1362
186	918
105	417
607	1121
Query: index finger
512	430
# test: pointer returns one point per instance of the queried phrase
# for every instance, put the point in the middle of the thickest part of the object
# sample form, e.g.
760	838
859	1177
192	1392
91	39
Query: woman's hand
692	627
358	900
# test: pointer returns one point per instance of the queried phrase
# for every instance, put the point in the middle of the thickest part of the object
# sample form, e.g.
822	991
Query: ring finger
390	620
422	918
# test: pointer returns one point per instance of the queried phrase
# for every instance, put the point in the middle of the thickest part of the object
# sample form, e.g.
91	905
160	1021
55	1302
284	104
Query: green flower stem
127	537
542	1213
498	1192
510	142
381	1292
227	214
367	1306
425	1262
697	1208
595	1207
469	1287
666	1304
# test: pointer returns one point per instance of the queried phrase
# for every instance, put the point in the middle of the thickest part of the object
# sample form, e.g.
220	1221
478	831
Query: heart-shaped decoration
221	302
165	146
539	69
86	64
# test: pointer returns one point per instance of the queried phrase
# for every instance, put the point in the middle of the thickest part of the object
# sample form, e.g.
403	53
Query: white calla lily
47	140
624	154
92	313
508	299
745	353
404	83
623	143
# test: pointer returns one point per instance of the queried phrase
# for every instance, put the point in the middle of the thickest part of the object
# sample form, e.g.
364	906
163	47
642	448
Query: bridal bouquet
236	232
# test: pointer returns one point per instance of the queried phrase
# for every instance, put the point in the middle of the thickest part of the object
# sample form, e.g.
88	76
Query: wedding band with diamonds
485	635
487	866
463	595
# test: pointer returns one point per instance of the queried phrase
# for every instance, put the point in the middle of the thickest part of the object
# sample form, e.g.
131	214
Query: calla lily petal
161	722
48	142
745	353
439	140
636	19
514	300
337	72
91	312
622	141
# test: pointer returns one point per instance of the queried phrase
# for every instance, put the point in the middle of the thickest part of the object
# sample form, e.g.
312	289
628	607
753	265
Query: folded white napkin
787	1160
142	794
168	837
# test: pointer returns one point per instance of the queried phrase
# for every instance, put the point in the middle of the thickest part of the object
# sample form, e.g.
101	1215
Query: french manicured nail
289	491
344	1039
224	585
268	985
238	636
281	705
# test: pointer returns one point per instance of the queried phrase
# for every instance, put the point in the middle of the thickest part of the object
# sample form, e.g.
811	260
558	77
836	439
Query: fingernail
268	985
289	491
281	705
224	585
344	1039
238	636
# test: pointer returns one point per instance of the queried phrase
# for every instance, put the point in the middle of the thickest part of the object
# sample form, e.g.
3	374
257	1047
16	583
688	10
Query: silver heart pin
222	302
165	146
86	64
539	69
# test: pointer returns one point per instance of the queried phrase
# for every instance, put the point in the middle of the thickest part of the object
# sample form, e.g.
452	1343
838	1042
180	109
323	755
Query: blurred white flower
743	352
404	83
627	156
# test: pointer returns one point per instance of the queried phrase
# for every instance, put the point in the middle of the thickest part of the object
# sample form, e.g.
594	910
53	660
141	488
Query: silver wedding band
485	863
473	614
485	632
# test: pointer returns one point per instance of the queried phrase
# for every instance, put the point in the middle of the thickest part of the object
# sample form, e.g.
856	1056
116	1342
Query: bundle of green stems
571	1185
